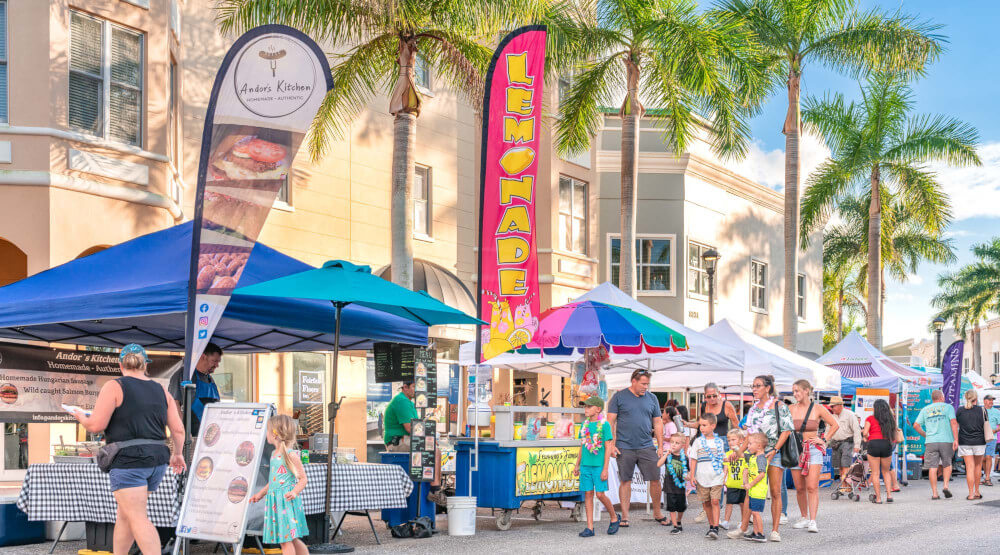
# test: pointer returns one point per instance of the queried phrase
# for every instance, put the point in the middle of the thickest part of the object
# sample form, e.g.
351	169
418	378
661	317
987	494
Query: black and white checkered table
82	493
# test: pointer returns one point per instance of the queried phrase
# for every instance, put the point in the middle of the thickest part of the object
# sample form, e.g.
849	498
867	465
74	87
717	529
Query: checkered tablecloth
82	493
357	487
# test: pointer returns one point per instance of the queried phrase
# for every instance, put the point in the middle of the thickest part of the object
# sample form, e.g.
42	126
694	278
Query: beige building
923	351
693	202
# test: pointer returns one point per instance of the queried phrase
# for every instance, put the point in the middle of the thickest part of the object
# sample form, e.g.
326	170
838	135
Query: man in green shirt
396	421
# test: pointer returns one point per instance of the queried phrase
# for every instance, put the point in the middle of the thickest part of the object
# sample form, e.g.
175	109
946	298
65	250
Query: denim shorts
776	460
815	455
150	477
991	448
756	505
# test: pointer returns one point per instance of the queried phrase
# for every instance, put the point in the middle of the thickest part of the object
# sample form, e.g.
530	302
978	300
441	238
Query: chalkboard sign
387	367
423	442
425	378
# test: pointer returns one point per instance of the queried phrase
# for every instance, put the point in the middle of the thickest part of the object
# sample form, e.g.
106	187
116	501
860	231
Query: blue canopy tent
137	292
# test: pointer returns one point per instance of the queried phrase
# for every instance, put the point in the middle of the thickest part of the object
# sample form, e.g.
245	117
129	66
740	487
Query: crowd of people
734	464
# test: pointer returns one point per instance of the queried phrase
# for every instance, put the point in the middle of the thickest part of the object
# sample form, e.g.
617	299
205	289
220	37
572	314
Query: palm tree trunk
840	315
404	104
977	352
631	112
874	316
792	131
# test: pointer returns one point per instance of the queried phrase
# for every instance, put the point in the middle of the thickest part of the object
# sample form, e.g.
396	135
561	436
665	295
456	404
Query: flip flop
888	500
664	521
935	497
946	493
622	523
978	497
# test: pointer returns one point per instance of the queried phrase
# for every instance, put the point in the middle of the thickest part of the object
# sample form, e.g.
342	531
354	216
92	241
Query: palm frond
580	116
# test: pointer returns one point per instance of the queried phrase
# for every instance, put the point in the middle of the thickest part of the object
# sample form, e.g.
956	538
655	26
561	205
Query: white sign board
864	401
223	472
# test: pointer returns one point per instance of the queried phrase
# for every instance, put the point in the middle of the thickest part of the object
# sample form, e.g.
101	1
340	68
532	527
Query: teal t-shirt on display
936	419
601	429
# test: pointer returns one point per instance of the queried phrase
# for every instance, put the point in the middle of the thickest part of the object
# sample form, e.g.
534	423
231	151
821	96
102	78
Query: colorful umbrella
589	324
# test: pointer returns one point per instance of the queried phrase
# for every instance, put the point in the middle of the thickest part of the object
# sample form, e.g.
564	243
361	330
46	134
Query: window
422	213
653	263
965	364
800	295
758	286
996	362
3	62
564	86
173	132
572	215
105	79
422	73
285	192
697	269
234	379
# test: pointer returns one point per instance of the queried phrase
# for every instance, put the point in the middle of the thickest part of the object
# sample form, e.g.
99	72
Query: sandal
622	523
664	521
888	500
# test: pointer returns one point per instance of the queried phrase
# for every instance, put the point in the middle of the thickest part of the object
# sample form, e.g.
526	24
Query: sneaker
735	534
702	517
749	536
676	530
713	533
760	537
812	526
783	519
724	524
801	524
775	536
587	533
438	498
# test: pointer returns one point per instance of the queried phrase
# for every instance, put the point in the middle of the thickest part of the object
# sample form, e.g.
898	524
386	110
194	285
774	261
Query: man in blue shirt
635	418
205	391
937	423
993	414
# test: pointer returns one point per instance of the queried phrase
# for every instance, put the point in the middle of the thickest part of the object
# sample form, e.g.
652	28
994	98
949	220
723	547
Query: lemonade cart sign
543	470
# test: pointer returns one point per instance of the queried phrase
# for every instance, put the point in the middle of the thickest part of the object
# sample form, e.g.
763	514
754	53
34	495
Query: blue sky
964	84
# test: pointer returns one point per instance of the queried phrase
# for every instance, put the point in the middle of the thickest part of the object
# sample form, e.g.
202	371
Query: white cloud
915	279
950	234
898	296
767	167
974	191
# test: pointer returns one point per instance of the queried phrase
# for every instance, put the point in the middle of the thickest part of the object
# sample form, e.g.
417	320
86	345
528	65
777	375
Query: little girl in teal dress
284	517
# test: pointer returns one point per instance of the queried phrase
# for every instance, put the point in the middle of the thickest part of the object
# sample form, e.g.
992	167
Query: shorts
149	478
991	448
938	454
843	453
402	447
590	479
735	496
756	505
776	460
676	502
644	458
880	448
971	450
708	494
815	455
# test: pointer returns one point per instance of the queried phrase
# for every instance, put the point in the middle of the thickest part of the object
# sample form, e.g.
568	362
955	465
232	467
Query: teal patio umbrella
343	283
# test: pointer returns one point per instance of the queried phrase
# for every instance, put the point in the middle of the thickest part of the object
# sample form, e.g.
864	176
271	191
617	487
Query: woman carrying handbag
770	416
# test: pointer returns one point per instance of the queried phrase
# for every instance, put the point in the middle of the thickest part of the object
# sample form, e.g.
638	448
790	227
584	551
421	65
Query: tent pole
332	408
742	371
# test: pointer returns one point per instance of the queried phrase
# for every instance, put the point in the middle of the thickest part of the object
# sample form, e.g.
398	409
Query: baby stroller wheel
835	495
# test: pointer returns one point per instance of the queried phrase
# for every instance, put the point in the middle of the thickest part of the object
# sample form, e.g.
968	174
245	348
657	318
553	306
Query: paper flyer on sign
223	471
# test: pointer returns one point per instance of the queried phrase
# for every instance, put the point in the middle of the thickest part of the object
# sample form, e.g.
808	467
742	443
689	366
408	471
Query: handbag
800	435
790	450
987	429
106	455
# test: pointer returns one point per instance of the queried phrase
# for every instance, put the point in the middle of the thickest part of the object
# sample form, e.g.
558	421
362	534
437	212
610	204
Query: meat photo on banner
265	97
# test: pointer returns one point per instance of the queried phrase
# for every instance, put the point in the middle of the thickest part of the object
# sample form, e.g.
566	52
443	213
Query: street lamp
710	257
938	326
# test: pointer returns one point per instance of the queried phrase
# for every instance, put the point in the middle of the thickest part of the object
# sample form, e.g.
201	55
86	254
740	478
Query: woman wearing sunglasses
723	411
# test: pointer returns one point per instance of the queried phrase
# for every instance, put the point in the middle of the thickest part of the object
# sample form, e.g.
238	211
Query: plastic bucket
461	516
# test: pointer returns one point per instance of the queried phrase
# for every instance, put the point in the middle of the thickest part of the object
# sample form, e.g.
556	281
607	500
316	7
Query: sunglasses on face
711	396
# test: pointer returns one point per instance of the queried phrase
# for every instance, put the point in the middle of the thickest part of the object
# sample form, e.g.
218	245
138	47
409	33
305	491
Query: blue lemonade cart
513	471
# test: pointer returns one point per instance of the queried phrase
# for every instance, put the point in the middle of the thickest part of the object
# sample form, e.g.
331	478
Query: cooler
15	528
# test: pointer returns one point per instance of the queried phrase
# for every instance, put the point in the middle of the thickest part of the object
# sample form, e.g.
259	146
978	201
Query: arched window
13	263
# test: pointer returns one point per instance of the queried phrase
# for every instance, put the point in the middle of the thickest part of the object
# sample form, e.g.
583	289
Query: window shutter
126	86
85	74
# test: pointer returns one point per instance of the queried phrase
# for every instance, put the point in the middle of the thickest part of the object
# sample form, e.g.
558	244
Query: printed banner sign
223	472
951	373
546	470
508	262
864	400
423	443
266	94
35	382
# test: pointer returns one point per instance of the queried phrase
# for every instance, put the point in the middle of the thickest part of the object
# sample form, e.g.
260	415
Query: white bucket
461	516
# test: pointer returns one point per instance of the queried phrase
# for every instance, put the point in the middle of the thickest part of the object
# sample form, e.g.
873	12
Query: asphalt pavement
912	522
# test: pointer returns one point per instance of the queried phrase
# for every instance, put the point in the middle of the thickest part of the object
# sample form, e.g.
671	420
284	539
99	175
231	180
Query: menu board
395	362
423	442
385	369
223	470
425	378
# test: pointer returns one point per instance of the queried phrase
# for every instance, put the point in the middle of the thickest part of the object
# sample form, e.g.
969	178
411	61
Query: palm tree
384	40
967	295
696	68
842	298
833	33
880	150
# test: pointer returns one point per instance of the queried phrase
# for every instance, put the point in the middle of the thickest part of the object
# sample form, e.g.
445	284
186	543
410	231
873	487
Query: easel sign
223	472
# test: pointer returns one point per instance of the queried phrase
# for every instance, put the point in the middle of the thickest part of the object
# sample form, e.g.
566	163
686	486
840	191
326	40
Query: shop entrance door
13	451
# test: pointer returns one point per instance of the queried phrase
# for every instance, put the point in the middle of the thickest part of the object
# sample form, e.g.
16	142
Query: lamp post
938	326
710	257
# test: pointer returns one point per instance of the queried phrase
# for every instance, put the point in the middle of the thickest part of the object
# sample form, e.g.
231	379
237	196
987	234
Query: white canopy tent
761	357
705	356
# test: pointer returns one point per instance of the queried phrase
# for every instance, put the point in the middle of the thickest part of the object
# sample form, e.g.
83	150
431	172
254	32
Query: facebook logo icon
203	334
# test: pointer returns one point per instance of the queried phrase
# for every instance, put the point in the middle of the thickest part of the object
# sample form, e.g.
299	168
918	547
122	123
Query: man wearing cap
937	424
205	390
993	414
846	443
635	418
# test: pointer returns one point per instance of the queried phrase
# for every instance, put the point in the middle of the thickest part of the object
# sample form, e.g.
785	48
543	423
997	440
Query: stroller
855	478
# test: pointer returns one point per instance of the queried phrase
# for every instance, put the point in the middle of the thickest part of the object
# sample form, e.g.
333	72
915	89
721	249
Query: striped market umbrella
590	324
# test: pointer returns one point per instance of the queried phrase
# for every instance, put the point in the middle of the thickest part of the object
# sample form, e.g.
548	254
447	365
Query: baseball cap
989	397
836	400
133	348
594	401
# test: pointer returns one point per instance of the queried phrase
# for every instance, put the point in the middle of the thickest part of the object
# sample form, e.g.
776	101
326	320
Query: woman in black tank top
723	411
134	407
